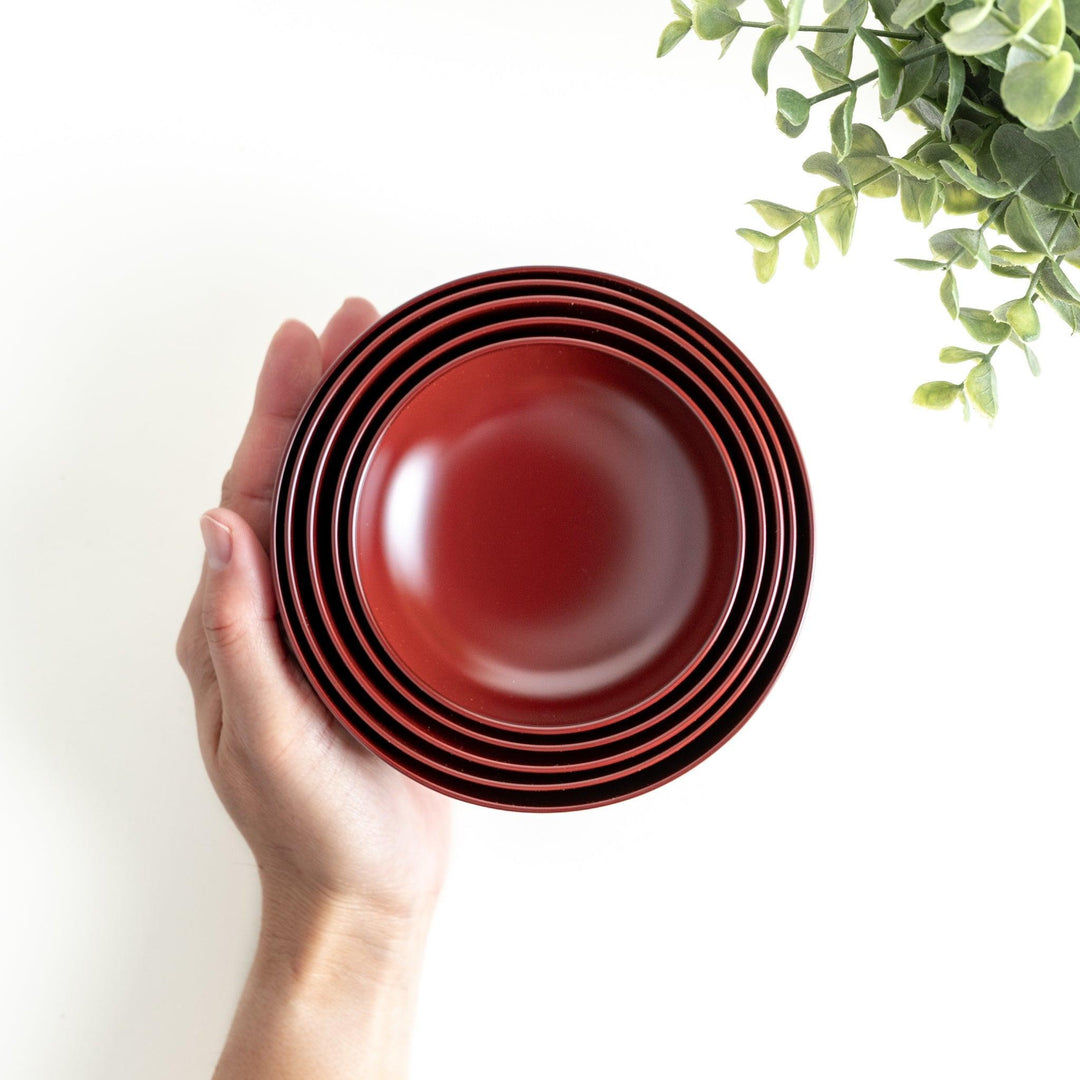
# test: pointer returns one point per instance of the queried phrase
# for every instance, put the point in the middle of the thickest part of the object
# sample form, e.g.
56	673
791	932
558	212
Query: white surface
876	878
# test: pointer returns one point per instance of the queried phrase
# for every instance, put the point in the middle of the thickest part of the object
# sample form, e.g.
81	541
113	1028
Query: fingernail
218	541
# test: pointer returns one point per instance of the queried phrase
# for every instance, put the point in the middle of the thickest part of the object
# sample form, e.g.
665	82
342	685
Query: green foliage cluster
996	85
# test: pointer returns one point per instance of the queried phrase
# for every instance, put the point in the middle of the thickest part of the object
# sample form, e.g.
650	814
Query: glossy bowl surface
544	533
721	401
472	737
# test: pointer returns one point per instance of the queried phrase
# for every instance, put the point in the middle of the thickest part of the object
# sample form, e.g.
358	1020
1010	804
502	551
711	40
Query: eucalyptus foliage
996	85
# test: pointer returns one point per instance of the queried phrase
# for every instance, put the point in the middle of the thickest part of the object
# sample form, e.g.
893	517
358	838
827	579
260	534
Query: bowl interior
545	530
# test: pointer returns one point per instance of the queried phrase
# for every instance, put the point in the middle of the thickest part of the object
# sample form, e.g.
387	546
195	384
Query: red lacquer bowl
349	650
422	726
761	588
511	538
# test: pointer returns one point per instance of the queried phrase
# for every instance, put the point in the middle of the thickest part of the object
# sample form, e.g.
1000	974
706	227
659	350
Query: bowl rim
479	791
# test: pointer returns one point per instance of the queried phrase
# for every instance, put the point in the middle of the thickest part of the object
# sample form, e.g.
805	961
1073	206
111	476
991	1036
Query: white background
876	878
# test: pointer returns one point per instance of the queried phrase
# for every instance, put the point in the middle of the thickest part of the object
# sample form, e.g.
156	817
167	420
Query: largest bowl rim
795	612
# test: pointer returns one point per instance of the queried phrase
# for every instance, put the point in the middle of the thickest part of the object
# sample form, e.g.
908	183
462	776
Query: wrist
332	991
319	940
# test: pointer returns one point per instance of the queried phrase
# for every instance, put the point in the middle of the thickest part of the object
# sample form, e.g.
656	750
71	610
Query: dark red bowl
610	384
616	548
352	601
424	727
644	717
347	503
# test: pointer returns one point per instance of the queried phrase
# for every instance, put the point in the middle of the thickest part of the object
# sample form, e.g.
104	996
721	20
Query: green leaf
936	395
965	155
888	63
981	387
1038	228
1041	20
957	78
759	241
909	201
920	264
840	126
1064	145
925	112
776	9
1068	108
823	164
1024	319
793	109
714	19
836	48
1010	257
1032	359
821	67
764	51
950	295
1072	15
1009	271
991	189
959	200
982	326
1068	314
775	215
864	161
967	19
794	14
918	74
936	152
672	34
1032	90
967	406
813	245
725	42
765	263
1021	226
912	167
1025	165
931	198
964	247
954	354
910	10
681	10
1052	284
837	216
979	41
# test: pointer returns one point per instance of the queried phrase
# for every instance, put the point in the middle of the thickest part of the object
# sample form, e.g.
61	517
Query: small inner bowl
545	534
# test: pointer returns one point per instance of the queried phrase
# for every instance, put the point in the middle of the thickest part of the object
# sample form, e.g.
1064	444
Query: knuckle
229	489
223	633
182	649
187	645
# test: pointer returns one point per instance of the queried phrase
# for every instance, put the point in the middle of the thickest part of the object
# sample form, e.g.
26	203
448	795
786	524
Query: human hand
351	853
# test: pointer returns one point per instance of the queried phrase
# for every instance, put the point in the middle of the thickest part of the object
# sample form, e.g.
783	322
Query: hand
351	853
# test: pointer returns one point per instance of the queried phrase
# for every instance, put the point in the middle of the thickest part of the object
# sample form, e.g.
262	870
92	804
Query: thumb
238	613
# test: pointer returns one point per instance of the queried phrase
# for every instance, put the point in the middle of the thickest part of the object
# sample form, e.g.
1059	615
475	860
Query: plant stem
1029	291
1021	37
872	178
870	76
907	35
845	87
999	209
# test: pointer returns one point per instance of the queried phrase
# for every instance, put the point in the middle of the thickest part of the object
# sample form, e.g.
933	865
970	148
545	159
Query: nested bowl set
542	538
